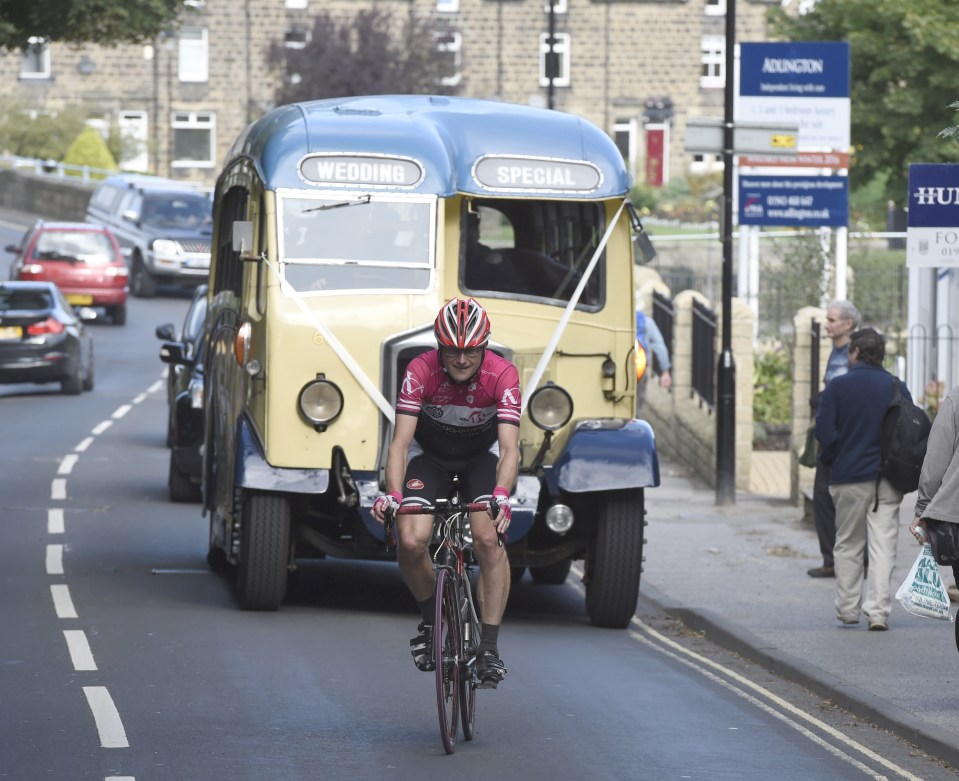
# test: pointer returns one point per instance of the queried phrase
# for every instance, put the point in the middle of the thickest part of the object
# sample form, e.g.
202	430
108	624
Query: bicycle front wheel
448	652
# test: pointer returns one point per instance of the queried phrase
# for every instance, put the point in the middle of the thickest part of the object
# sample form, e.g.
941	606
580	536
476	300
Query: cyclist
458	412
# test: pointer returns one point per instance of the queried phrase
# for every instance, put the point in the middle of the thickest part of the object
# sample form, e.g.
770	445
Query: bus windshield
347	241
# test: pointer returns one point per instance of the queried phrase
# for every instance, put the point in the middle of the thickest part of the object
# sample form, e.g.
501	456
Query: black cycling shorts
429	479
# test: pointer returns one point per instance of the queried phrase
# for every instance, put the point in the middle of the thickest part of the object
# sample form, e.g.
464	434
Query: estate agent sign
932	236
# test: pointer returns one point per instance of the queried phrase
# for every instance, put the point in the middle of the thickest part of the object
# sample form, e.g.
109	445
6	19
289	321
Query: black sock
489	633
428	609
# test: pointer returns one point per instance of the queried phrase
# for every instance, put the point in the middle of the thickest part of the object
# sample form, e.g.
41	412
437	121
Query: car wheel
182	488
119	314
615	560
142	283
88	380
552	574
264	551
72	385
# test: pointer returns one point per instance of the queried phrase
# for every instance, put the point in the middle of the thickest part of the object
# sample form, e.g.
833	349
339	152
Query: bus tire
615	561
264	551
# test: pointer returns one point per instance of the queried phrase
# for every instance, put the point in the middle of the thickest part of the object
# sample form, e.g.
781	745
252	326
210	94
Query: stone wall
44	196
685	427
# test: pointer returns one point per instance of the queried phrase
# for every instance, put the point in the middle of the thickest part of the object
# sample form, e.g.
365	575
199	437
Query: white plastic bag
922	593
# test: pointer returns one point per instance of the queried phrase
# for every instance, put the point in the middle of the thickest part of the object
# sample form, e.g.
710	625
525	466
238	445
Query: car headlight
166	247
550	407
320	402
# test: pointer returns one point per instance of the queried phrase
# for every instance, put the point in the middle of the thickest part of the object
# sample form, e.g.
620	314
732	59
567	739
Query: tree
43	135
107	22
904	61
368	54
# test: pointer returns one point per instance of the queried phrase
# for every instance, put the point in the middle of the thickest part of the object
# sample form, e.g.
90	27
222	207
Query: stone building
636	68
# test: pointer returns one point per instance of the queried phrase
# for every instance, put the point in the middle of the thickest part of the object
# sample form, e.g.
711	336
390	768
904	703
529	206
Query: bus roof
433	144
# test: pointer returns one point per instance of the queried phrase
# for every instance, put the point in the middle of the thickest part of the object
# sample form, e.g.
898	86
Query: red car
84	260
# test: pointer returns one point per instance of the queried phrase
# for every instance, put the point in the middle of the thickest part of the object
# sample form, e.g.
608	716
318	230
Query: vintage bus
340	228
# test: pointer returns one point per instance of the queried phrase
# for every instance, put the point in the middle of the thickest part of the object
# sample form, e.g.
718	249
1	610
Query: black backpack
903	438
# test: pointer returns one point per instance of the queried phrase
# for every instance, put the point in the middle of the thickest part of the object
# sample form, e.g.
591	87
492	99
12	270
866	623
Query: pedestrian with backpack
849	423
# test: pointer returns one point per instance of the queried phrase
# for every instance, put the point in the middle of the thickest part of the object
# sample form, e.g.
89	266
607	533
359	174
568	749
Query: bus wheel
264	551
615	560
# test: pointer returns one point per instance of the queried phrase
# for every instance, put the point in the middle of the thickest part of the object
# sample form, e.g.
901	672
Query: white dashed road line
54	559
79	650
62	602
112	734
66	466
55	522
58	489
121	411
101	427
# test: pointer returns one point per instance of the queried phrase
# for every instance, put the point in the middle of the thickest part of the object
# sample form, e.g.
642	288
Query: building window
296	3
706	163
625	136
555	64
296	39
449	46
712	61
559	6
193	139
35	60
194	56
715	7
448	6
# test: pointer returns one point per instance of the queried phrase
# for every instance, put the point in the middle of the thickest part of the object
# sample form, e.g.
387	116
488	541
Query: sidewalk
738	573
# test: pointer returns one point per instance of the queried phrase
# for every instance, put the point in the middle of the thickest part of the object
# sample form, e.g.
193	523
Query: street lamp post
726	368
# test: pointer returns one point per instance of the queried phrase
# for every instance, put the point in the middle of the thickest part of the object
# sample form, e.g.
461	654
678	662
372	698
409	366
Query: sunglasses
453	352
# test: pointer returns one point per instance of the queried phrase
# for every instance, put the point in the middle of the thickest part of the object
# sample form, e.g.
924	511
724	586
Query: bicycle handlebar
447	508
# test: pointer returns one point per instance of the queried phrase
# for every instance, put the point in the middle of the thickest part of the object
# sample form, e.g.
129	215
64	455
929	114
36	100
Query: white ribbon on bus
344	355
567	313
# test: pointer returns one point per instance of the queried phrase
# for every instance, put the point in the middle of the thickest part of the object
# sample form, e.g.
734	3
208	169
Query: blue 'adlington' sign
794	69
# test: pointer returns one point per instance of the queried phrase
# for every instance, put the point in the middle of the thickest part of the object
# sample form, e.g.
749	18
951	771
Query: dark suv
164	228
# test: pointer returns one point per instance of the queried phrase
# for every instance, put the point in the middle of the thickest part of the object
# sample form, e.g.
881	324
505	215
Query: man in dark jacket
848	424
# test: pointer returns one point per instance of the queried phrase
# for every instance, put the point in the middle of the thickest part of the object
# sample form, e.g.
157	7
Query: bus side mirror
243	240
643	246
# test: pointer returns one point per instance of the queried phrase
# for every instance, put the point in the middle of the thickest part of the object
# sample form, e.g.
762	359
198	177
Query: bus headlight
559	519
320	402
550	407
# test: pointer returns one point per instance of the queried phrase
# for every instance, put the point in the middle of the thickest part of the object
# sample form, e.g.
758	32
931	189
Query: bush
772	385
91	150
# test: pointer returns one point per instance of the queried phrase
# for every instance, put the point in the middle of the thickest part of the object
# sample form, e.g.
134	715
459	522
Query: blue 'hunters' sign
800	201
932	237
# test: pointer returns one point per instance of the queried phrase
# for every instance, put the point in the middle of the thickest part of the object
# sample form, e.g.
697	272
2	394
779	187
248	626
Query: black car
42	338
185	399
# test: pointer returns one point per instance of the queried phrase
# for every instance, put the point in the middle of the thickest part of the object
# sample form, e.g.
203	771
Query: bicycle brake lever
494	506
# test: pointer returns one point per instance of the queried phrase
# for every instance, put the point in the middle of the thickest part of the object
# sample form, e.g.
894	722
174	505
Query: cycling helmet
462	324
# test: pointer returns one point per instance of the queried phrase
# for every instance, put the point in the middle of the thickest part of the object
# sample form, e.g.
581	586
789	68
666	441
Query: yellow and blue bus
340	228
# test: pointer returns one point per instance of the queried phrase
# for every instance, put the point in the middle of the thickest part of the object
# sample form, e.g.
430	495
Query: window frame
193	120
447	6
714	7
712	60
455	47
563	50
38	51
193	55
559	6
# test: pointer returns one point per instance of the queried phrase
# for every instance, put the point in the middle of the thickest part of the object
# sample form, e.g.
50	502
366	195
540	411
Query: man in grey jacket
938	497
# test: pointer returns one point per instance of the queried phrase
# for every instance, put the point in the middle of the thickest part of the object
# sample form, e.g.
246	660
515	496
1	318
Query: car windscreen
24	300
357	242
181	211
81	246
536	250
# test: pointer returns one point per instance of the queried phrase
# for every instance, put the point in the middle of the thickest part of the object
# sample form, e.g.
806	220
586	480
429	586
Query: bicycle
456	625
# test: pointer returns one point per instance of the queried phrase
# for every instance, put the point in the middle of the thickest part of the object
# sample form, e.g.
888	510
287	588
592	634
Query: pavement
737	573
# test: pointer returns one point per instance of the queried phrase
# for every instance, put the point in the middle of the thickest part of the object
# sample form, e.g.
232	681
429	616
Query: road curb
931	739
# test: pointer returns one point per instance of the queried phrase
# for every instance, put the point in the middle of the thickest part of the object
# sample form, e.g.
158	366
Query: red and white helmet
462	324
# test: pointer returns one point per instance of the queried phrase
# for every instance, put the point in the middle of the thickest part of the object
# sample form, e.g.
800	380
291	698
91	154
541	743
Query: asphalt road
122	657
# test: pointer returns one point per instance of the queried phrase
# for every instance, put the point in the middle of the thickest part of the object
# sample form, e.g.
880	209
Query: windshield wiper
339	204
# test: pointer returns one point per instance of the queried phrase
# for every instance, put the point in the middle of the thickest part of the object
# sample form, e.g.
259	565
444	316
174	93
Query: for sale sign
932	236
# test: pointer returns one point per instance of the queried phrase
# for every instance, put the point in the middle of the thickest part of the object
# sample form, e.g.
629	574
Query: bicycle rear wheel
448	653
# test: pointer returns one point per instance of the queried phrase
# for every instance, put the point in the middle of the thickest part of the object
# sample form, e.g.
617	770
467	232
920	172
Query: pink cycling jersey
458	421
